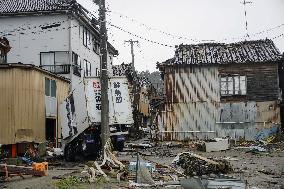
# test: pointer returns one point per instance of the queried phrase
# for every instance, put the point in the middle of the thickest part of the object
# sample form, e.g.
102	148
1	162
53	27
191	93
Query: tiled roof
20	6
220	53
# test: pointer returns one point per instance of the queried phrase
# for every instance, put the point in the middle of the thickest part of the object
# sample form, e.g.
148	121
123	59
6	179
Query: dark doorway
50	131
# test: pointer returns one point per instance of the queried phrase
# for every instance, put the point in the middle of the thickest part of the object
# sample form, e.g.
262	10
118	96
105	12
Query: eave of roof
19	6
32	67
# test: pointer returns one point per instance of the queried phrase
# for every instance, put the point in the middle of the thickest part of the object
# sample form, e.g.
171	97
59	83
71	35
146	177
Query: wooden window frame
237	89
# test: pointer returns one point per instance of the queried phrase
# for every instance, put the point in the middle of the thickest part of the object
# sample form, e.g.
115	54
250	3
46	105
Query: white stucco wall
31	40
78	47
28	42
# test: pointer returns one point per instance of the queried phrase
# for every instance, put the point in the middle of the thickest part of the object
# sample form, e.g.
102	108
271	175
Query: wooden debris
109	157
39	169
196	165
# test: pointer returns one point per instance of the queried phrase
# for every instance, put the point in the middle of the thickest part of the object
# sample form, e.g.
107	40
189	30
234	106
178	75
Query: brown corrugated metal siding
22	104
195	109
192	102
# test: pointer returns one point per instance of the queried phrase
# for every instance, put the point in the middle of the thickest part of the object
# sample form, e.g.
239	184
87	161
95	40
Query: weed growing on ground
70	182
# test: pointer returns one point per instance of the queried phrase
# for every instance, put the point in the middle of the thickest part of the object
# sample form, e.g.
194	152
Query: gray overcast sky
191	19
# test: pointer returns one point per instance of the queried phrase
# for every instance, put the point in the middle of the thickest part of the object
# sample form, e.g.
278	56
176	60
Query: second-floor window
96	47
233	85
76	59
76	64
86	38
87	68
54	58
56	62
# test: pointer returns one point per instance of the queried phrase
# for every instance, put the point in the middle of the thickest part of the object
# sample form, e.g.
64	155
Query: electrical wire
152	28
278	36
192	39
25	29
140	37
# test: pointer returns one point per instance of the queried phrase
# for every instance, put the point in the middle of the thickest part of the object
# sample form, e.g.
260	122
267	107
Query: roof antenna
245	8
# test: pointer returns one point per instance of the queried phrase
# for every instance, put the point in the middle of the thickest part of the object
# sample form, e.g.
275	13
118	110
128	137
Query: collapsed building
146	97
219	90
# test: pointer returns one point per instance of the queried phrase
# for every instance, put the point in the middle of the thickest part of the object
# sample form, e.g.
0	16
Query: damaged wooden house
220	90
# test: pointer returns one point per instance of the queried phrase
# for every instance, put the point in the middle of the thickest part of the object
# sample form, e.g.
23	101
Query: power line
278	36
130	33
153	28
26	29
267	30
194	39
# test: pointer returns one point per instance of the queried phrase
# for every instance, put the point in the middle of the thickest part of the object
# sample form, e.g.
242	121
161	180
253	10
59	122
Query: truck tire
120	145
69	154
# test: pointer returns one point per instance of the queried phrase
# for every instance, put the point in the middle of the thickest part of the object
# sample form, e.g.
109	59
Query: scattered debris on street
195	165
210	115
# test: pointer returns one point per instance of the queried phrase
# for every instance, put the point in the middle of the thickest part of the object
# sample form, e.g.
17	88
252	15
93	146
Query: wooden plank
13	169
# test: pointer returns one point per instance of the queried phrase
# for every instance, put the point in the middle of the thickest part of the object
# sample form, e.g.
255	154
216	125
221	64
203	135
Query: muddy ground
261	171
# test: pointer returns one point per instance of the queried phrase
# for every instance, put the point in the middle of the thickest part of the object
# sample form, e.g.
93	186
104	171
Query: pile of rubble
195	165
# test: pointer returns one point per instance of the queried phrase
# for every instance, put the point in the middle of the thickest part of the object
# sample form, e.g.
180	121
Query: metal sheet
199	116
74	114
83	107
192	84
22	103
50	106
192	102
238	112
237	120
120	111
248	119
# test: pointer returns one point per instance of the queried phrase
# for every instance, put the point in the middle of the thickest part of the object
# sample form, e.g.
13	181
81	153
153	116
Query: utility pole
132	50
104	74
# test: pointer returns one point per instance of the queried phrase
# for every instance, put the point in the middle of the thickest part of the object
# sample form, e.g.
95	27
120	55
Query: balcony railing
62	69
57	69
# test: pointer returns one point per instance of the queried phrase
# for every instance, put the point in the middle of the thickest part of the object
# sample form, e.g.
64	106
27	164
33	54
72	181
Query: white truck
81	117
